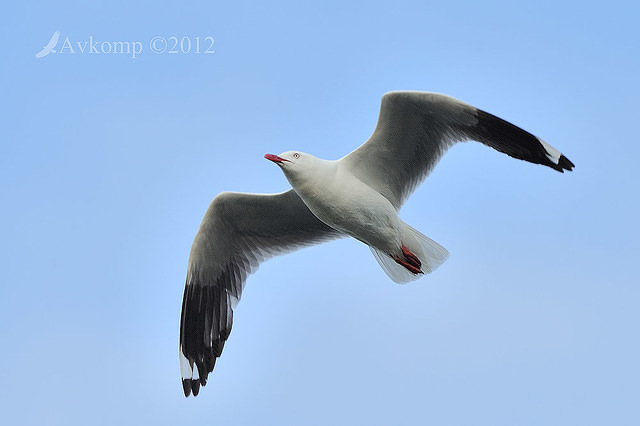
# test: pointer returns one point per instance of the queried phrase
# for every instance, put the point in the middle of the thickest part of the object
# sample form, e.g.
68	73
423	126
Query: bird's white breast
345	203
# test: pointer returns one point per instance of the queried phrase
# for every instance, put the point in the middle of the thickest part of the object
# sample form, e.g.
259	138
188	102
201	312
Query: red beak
274	158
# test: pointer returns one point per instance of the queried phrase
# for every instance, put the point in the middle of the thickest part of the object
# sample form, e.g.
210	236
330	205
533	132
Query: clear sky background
108	164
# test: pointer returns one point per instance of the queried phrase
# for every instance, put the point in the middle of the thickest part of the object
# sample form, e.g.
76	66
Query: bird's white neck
321	173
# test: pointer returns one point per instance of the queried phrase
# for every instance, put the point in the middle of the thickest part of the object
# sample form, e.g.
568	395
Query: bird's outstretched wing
237	233
415	129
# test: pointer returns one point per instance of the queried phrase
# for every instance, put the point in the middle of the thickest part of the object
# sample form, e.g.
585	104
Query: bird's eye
296	155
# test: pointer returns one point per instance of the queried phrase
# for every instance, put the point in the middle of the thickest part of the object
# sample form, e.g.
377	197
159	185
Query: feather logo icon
49	48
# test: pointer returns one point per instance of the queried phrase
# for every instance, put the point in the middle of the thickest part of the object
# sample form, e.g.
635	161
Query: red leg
408	265
410	261
411	258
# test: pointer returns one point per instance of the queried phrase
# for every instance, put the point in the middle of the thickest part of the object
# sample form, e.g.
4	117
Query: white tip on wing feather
552	153
185	369
196	374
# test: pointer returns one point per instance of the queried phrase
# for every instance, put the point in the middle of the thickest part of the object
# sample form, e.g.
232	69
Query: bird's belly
361	213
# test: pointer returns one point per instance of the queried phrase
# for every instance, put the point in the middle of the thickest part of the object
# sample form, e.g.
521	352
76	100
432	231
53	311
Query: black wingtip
565	163
516	142
186	387
190	386
205	325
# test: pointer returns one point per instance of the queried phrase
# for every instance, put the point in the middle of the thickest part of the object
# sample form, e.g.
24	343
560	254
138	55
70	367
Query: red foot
411	261
412	258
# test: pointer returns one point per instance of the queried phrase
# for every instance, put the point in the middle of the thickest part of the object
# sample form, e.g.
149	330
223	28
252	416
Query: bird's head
297	166
291	161
293	157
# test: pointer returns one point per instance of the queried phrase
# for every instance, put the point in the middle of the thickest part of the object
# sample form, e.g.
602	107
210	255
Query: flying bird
358	195
49	48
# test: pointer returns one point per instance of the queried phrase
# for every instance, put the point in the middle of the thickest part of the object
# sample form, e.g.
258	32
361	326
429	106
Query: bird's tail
430	254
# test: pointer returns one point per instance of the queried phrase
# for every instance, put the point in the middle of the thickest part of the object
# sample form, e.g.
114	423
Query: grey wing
415	129
237	233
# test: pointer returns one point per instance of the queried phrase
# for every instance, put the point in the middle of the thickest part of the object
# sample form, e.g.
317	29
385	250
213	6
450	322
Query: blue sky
109	163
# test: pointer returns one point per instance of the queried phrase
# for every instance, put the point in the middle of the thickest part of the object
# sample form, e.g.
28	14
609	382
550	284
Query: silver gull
358	195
